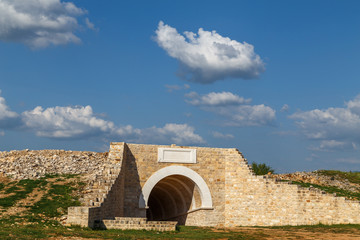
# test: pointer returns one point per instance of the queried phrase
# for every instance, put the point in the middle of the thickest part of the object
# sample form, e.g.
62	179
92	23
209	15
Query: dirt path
19	207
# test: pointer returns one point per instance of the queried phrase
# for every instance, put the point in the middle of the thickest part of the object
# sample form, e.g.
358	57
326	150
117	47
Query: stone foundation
138	224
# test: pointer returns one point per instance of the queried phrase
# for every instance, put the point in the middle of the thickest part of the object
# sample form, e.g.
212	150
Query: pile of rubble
319	179
27	164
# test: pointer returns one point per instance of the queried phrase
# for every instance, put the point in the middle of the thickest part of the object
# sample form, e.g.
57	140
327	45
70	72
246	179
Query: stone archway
172	192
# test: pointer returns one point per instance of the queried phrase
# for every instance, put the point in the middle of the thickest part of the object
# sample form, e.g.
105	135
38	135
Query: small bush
261	169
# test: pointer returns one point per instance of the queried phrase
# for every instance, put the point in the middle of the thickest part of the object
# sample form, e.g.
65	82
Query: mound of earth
345	184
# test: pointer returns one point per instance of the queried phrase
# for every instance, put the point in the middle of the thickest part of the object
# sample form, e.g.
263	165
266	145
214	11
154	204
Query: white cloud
215	99
207	57
249	115
7	118
339	127
236	110
66	122
89	24
39	23
222	135
333	145
81	122
5	111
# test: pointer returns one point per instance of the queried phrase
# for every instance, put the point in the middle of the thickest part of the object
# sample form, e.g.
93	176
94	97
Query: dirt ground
281	234
276	234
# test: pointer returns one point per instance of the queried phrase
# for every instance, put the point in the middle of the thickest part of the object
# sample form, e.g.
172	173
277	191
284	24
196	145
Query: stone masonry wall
142	162
138	224
105	197
256	200
239	197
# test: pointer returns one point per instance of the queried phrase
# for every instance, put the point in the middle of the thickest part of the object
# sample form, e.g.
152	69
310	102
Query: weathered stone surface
27	164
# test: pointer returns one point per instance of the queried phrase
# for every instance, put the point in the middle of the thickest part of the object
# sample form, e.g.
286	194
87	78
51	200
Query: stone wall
142	162
240	197
258	200
137	224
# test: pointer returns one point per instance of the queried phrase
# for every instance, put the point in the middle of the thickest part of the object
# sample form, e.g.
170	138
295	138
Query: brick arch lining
205	195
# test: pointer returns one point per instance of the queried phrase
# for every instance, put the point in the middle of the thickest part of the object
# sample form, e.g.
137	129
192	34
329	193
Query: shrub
261	168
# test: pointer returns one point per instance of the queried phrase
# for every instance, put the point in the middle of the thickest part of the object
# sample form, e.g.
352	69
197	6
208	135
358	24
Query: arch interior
172	198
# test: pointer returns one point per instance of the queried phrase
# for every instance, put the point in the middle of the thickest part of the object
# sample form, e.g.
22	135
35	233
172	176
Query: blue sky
279	80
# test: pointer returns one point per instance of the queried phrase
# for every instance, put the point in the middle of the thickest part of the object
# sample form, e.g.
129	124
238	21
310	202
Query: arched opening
172	192
171	199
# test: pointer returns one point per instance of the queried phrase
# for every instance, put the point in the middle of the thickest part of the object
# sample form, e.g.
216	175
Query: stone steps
101	185
138	223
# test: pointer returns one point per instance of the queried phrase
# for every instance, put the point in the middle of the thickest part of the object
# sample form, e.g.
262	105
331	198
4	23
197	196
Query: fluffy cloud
7	118
236	110
39	23
66	122
215	99
340	127
81	122
207	57
333	145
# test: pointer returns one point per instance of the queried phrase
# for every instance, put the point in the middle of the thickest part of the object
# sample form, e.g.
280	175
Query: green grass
42	231
14	230
19	191
331	189
353	177
56	202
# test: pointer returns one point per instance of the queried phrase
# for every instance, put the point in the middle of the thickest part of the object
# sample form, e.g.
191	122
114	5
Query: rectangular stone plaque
176	155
